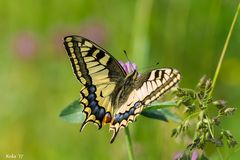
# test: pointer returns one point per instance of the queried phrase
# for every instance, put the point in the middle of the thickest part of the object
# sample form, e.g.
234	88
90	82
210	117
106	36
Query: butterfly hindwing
148	87
99	72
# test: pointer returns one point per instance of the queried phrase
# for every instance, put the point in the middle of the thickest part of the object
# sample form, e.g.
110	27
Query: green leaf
159	111
73	113
161	114
160	105
154	114
171	116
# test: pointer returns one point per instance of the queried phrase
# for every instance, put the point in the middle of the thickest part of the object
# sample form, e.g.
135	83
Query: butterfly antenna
125	52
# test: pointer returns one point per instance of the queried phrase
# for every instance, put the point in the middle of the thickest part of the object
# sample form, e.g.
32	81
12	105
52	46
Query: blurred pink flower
194	155
25	45
93	30
179	155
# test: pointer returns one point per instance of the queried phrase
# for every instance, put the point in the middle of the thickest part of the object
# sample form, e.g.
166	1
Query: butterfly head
131	78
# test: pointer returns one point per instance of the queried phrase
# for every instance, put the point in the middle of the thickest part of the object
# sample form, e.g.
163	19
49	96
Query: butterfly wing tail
115	133
121	120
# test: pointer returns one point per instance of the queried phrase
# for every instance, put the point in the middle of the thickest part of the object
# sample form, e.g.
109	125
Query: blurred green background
36	79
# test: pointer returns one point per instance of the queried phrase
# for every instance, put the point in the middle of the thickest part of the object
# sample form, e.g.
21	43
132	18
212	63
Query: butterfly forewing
99	72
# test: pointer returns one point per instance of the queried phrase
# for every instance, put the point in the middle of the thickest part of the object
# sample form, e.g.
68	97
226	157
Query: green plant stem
140	46
129	144
221	60
140	35
224	50
209	127
192	115
220	154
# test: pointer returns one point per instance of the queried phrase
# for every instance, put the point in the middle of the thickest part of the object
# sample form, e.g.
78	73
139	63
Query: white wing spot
77	67
73	55
68	39
70	44
71	50
75	61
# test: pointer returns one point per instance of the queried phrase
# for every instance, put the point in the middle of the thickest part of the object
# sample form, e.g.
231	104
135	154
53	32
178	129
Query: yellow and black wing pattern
147	88
99	72
110	95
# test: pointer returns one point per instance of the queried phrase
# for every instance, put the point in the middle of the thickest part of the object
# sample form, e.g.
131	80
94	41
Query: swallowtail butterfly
110	94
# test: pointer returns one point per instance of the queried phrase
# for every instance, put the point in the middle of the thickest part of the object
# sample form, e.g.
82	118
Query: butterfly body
110	94
124	89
